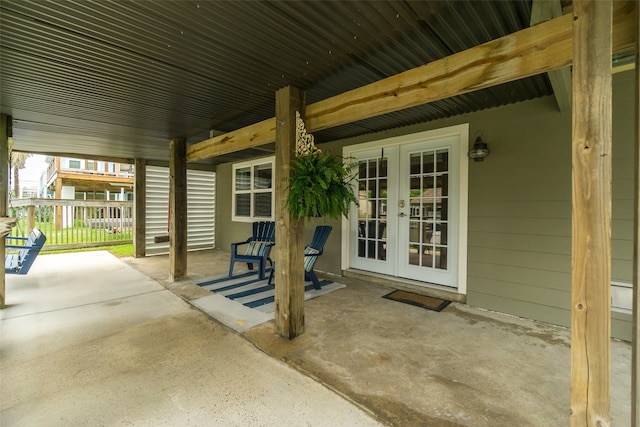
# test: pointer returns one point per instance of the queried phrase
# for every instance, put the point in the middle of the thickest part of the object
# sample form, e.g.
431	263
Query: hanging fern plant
320	185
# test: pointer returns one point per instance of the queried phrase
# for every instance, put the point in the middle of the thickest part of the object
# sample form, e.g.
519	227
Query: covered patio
221	83
362	354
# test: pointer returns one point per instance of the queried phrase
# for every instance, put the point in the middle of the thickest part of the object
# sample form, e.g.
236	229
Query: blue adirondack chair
258	248
21	261
311	253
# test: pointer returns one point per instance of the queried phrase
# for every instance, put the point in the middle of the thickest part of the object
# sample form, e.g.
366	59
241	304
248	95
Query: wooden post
140	209
58	219
591	264
635	331
289	277
5	125
32	217
178	209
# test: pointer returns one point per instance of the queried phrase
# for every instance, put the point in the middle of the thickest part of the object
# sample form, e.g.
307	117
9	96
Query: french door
407	223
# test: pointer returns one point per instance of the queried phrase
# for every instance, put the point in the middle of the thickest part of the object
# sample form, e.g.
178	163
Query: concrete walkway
410	366
87	340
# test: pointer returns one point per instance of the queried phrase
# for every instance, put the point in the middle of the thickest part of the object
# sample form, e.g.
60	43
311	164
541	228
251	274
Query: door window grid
372	210
429	202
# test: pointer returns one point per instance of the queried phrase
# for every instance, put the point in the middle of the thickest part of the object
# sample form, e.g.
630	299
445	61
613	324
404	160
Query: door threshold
391	282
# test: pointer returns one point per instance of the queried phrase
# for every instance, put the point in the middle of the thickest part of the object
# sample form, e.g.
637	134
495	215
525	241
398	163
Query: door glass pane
429	166
427	256
415	187
362	170
441	209
414	254
414	165
441	258
442	185
414	231
362	253
427	186
373	188
372	195
382	189
372	173
428	191
427	208
442	234
383	168
442	158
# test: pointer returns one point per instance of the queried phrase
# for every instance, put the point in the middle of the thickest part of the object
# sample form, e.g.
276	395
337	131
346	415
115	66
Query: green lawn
117	250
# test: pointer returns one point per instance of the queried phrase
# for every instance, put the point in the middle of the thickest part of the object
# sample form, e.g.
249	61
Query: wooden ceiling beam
534	50
254	135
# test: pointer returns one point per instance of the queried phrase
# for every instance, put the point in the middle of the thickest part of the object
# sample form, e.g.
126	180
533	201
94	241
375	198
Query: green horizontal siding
524	259
541	279
555	298
521	241
542	226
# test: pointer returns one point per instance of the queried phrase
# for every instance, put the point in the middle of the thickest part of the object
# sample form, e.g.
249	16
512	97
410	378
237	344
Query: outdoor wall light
479	150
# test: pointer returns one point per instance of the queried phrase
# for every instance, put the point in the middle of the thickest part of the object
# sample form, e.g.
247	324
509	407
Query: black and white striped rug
246	289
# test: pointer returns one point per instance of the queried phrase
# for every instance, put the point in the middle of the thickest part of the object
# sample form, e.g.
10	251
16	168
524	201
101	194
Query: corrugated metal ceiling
119	78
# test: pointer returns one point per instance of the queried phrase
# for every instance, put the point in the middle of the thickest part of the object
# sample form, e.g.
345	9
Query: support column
58	209
635	331
591	263
139	208
289	257
178	209
5	132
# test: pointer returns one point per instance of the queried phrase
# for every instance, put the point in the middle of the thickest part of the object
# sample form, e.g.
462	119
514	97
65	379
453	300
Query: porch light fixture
479	150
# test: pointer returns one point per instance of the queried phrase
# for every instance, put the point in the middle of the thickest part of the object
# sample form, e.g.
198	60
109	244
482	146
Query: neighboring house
80	179
498	233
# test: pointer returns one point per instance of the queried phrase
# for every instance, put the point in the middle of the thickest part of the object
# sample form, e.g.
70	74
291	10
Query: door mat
430	303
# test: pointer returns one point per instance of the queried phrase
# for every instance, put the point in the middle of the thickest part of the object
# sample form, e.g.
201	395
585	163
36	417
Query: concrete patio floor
403	365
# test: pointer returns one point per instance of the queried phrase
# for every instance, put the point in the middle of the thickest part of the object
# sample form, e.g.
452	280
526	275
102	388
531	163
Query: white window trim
251	164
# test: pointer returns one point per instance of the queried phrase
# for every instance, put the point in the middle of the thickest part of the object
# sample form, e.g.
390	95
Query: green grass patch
117	250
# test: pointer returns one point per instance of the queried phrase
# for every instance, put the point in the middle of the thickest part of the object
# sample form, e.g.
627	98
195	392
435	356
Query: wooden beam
289	249
560	79
635	331
178	209
5	125
75	178
250	136
591	263
140	209
534	50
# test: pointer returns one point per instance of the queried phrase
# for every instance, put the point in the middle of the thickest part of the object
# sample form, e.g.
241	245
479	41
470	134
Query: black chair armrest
234	246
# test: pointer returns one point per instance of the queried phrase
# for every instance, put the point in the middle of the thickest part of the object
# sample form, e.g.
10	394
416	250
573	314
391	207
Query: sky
34	166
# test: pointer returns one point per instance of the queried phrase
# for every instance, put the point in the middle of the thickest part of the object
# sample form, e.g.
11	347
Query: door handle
402	214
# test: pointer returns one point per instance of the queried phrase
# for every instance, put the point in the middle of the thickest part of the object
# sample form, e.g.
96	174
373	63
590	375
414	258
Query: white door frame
460	131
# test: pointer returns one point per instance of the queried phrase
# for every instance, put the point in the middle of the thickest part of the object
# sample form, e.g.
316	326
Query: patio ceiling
119	79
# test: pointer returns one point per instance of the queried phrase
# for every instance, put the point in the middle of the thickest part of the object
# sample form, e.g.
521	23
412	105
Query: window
253	190
74	164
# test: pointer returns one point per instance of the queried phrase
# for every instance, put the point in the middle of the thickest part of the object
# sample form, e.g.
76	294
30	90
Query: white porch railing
72	224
